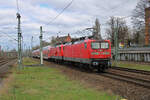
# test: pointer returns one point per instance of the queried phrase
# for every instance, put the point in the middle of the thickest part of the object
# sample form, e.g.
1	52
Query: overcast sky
35	13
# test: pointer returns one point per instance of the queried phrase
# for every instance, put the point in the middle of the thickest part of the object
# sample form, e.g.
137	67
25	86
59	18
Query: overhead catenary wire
85	32
13	40
60	12
71	3
8	36
118	5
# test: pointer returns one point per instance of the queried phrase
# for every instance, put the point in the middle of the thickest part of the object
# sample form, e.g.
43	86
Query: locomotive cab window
104	45
95	45
99	45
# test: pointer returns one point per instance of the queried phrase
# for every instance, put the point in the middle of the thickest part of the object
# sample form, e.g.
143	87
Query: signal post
41	45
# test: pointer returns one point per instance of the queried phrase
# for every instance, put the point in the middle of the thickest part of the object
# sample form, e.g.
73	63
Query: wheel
90	68
99	70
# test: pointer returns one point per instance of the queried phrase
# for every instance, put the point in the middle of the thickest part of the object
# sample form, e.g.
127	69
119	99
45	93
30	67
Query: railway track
135	81
132	70
129	78
4	62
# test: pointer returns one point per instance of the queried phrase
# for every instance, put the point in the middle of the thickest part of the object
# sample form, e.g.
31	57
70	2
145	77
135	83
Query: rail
132	70
137	81
4	62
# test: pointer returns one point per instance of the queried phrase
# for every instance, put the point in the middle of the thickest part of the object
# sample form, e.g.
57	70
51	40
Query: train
91	53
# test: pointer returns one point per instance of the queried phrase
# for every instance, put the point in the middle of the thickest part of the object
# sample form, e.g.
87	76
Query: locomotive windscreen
99	45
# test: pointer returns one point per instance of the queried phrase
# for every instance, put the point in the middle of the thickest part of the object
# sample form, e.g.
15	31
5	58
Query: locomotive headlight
105	53
95	63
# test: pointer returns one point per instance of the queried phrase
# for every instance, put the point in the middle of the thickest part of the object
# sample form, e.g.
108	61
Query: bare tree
138	15
138	20
44	44
96	33
119	24
53	40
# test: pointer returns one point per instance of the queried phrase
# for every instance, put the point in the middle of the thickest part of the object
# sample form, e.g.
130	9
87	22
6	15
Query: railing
139	54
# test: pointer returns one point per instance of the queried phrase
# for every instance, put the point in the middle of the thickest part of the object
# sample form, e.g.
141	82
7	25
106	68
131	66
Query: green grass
29	61
43	83
133	65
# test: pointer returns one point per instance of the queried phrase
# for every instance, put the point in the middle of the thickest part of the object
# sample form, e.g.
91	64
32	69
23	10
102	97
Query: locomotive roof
69	43
81	41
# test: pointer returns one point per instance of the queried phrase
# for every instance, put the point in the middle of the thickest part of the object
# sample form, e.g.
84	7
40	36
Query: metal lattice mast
19	42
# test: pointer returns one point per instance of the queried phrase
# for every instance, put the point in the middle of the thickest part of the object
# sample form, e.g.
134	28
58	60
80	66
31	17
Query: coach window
85	45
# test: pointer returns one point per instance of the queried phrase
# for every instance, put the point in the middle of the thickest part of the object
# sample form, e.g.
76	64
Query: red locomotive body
95	54
76	52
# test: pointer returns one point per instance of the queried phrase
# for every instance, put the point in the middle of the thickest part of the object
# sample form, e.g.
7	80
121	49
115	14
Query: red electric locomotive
92	53
95	54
